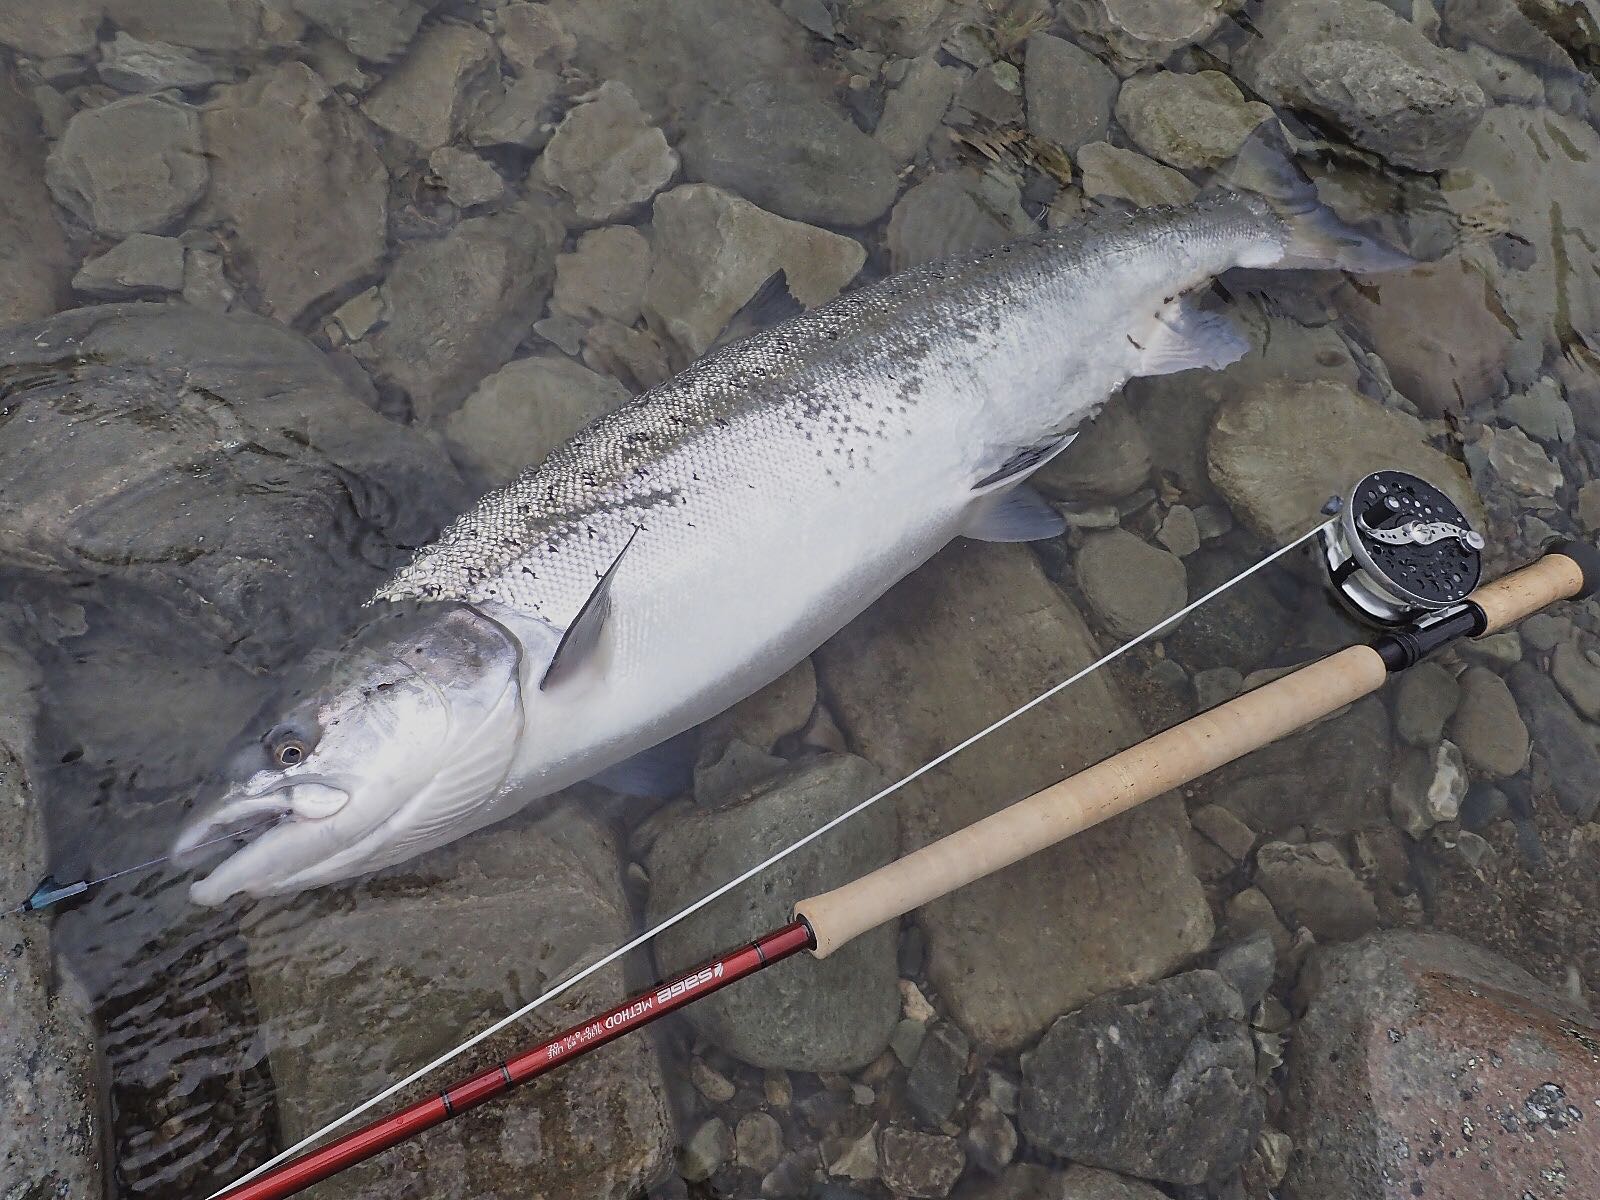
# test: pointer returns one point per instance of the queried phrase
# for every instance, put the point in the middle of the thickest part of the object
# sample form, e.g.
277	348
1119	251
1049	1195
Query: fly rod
1399	553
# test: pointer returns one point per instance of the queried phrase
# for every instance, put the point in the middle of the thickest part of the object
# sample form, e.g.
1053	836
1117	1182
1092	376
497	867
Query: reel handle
1165	761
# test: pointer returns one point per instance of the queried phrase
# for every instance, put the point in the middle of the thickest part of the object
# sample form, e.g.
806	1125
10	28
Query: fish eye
288	751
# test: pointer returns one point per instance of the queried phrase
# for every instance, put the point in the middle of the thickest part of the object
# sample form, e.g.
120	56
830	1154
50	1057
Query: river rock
1108	459
1333	777
131	166
1560	738
1541	412
428	97
1577	674
991	95
1188	121
607	156
1157	1081
531	36
50	1142
374	30
522	116
1518	462
713	251
1428	788
1425	697
1311	885
402	967
1069	92
1277	451
34	264
1486	725
916	1164
295	175
50	28
458	306
1128	175
225	25
903	26
1130	584
832	1014
1370	73
604	275
1502	26
527	408
1140	32
934	1081
913	110
130	65
792	156
212	457
1030	1182
1438	327
139	264
963	640
1537	162
954	212
1427	1066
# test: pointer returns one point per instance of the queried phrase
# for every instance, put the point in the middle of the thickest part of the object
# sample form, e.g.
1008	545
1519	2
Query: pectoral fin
581	637
1186	337
1017	515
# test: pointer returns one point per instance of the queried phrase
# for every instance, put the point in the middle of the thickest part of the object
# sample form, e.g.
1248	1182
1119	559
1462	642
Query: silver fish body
744	511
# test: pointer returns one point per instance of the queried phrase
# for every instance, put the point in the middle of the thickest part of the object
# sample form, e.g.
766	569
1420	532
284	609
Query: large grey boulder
833	1014
394	971
1158	1082
1369	72
963	641
296	177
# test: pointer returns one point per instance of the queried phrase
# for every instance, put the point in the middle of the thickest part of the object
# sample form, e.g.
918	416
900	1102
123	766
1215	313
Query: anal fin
1187	337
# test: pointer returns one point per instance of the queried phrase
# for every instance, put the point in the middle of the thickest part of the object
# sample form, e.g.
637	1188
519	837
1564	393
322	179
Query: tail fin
1318	239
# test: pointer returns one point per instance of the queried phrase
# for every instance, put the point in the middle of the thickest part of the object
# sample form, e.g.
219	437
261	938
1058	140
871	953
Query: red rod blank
316	1165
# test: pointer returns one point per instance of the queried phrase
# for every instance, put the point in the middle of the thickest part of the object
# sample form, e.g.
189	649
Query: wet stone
1541	412
34	265
1427	1066
532	36
1225	830
1188	121
607	156
373	30
1425	697
758	1142
1517	461
934	1082
709	1082
1120	174
226	25
914	108
130	65
906	1041
1129	584
1561	739
525	410
51	28
954	212
138	265
714	250
427	98
131	166
706	1150
991	1138
1069	92
791	155
1249	966
1428	788
468	179
919	1164
1157	1082
991	94
294	174
1577	674
1249	913
1216	684
1312	886
522	116
820	1014
1487	726
1372	74
605	275
1179	531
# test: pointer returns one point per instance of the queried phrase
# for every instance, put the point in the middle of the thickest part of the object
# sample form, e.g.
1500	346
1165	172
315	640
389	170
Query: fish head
395	741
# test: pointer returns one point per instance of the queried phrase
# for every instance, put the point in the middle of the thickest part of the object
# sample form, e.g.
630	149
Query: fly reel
1400	549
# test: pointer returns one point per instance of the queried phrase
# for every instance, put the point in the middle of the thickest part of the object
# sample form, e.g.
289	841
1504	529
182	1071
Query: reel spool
1400	549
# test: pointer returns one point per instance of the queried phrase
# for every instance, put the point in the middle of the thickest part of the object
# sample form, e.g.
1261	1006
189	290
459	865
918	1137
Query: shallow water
328	228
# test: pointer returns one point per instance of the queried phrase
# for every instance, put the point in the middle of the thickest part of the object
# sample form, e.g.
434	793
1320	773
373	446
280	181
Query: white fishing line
684	913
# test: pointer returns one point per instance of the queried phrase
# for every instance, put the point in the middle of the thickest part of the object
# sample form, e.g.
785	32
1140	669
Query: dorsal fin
579	641
772	304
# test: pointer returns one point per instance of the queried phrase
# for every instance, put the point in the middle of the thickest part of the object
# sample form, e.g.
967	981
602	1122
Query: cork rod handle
1159	764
